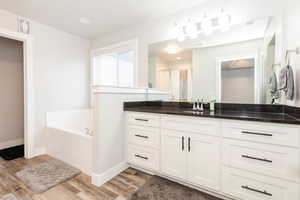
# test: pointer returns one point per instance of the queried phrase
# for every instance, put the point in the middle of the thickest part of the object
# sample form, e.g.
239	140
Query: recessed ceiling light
84	20
172	49
178	58
250	23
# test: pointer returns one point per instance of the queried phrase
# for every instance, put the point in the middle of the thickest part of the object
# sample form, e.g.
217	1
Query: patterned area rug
8	197
46	175
162	189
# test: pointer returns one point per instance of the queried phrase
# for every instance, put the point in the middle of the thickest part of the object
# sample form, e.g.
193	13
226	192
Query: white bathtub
69	137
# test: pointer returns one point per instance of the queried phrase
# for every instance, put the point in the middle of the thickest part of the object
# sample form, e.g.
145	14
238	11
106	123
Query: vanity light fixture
224	21
180	33
191	29
207	25
178	58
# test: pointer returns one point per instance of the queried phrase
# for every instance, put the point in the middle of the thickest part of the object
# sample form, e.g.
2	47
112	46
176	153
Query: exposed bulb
207	25
180	34
191	29
224	21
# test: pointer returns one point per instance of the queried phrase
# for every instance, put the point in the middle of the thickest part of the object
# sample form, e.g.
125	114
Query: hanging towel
283	78
286	82
290	83
273	86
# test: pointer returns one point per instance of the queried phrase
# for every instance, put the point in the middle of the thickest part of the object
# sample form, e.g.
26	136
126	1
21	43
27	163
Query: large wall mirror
237	66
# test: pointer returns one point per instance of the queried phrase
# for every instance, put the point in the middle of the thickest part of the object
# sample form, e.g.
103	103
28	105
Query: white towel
290	84
286	82
283	78
273	86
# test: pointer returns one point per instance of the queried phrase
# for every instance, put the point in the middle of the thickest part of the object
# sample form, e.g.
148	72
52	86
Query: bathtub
69	137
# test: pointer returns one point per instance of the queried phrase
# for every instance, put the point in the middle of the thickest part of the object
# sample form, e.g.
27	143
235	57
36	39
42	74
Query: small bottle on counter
212	105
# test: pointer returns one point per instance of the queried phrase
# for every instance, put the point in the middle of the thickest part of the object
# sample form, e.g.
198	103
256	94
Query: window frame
130	45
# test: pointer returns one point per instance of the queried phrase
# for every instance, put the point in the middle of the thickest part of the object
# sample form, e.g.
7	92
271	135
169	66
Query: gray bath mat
8	197
46	175
162	189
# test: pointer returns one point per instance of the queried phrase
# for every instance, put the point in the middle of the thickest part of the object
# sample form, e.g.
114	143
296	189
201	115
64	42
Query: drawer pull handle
189	144
143	120
141	136
139	156
254	133
182	143
256	190
255	158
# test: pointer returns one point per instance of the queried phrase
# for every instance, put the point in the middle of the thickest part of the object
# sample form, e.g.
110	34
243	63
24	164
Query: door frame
238	57
28	68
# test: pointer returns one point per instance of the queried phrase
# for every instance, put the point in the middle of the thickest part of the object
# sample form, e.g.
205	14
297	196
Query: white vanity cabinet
186	144
173	154
143	140
237	159
204	154
183	154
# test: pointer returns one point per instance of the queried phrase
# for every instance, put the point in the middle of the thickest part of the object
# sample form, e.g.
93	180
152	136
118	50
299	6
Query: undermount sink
193	111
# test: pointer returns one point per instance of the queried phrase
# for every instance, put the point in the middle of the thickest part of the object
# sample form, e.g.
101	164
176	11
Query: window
115	68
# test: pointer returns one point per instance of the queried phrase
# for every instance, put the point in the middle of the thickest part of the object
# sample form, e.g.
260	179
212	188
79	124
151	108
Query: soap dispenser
212	105
198	105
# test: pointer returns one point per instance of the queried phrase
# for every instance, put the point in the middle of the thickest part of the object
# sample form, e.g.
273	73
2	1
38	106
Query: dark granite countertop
225	113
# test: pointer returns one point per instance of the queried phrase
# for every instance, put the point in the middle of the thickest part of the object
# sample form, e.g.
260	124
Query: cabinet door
173	153
204	161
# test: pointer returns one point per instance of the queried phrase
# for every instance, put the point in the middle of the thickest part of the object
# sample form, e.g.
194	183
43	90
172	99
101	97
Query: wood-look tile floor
78	188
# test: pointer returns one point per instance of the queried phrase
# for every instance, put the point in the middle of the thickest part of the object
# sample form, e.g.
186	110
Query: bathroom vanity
248	152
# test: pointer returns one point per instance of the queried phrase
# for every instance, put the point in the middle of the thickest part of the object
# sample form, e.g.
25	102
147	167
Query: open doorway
237	80
11	99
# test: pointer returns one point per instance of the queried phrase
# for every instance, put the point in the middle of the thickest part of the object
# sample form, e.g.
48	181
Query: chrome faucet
201	106
197	106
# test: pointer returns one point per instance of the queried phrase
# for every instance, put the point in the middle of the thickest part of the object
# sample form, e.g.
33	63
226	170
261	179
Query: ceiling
159	50
238	64
105	16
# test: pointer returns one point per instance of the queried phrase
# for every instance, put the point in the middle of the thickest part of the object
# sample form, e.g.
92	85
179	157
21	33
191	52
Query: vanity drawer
192	124
249	186
265	133
144	136
277	161
143	157
143	119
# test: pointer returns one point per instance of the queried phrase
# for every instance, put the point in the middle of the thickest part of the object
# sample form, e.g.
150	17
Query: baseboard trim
100	179
11	143
39	151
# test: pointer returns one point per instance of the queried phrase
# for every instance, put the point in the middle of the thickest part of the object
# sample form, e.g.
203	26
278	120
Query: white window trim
122	46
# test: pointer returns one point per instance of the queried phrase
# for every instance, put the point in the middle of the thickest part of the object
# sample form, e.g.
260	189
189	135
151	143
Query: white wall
163	29
292	40
12	93
109	152
61	62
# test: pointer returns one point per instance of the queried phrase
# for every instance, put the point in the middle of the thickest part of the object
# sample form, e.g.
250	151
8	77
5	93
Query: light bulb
172	49
191	29
207	25
180	34
224	21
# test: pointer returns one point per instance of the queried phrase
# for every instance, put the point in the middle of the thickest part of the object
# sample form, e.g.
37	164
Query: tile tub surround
249	112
